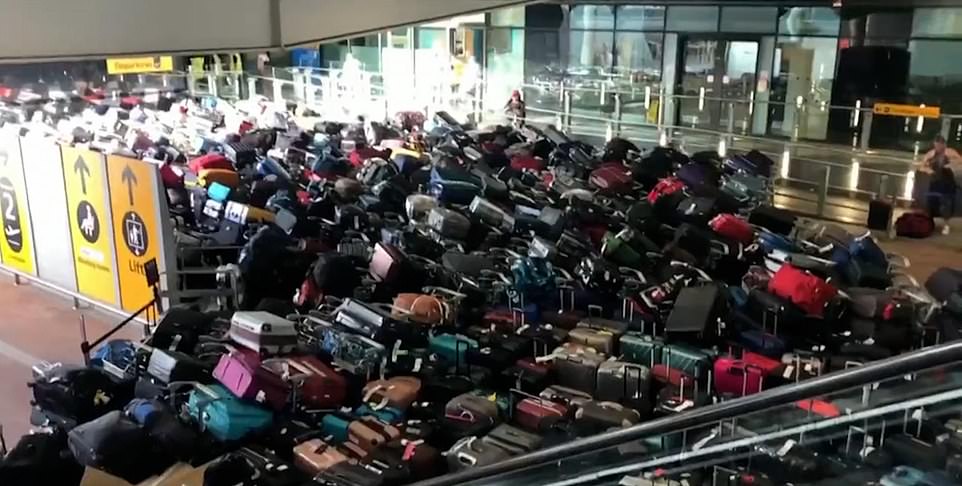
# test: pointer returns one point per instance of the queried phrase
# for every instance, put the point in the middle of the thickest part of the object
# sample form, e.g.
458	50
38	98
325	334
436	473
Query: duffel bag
808	292
117	445
915	225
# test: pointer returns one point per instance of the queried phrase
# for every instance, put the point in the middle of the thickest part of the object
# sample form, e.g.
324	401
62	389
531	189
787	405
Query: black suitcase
179	329
76	394
775	220
879	215
944	282
41	459
242	154
248	466
909	451
115	444
694	316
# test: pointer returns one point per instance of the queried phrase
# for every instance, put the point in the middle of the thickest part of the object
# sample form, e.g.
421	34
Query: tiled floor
37	325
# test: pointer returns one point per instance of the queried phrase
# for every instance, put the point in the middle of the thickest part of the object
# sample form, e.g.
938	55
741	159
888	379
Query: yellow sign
86	184
906	110
16	245
133	203
135	65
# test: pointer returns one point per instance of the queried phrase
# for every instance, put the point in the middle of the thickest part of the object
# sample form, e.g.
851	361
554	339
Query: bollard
567	112
866	134
618	110
823	193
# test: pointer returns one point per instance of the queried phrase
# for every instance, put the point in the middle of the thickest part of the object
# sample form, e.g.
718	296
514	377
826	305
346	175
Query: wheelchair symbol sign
88	222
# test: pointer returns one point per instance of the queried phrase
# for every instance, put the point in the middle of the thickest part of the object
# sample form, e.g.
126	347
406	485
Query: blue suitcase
454	186
225	416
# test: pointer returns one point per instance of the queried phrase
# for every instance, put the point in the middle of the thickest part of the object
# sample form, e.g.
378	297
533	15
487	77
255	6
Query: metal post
191	81
946	129
16	279
823	192
212	84
796	123
618	110
567	112
883	186
731	119
560	122
661	108
251	87
278	89
866	130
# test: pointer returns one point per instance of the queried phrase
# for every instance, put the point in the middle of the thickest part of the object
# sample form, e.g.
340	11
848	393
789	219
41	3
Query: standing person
941	196
516	108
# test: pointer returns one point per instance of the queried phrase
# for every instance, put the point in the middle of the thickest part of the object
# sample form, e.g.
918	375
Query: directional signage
892	109
86	185
133	200
16	244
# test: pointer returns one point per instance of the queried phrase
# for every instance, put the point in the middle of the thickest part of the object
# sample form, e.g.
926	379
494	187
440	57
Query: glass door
717	77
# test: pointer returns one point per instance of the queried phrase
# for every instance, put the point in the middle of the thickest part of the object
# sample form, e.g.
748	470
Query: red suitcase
611	178
210	161
537	415
733	228
315	384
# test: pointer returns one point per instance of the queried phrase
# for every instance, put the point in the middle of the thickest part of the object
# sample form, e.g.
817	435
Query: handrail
894	367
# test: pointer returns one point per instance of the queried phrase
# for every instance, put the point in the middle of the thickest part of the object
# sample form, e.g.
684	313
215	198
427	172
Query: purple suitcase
240	372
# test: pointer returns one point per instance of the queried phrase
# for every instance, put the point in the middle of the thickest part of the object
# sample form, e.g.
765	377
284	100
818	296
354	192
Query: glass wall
784	71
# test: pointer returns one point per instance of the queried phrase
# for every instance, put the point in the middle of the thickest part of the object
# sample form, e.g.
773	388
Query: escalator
892	422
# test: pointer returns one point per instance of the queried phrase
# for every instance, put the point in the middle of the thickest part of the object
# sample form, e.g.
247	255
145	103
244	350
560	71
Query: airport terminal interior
481	242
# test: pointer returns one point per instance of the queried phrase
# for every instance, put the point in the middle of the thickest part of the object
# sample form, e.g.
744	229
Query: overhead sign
133	202
86	186
137	65
16	243
892	109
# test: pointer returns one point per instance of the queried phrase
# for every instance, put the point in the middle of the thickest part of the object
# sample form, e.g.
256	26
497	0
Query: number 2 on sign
8	213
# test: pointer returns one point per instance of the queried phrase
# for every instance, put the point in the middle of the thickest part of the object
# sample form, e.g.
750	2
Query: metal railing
816	179
898	366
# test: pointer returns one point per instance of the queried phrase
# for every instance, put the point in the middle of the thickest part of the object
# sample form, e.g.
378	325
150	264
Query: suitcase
315	384
315	456
40	459
578	371
879	215
452	348
641	349
538	415
386	263
598	416
732	227
773	219
448	223
398	392
76	394
944	283
263	332
116	445
611	178
735	377
513	440
227	178
909	451
359	355
370	433
620	381
225	416
602	341
471	407
695	314
351	474
489	214
241	372
242	154
697	210
179	329
208	162
472	452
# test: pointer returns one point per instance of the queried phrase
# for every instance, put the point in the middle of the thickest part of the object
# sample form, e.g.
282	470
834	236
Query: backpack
808	292
915	225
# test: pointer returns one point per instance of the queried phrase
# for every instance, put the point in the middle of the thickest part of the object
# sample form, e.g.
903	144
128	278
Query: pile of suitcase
437	298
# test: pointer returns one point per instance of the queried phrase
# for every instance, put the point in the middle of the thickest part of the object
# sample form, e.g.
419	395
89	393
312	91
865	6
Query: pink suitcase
736	377
241	372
